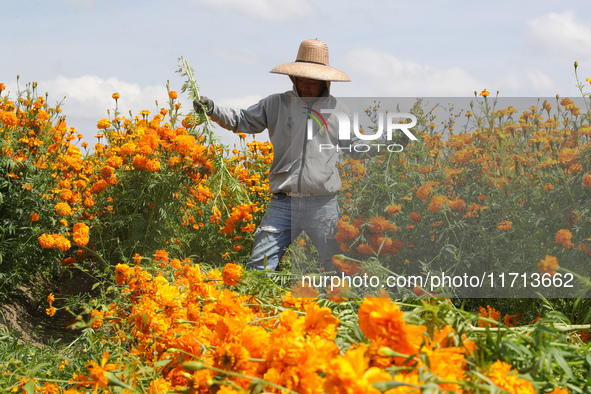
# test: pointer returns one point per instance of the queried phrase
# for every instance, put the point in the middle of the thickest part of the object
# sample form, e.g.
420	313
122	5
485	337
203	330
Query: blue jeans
286	218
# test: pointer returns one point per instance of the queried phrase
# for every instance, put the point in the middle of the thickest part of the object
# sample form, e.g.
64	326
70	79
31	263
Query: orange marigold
103	124
415	217
437	203
122	274
81	231
232	274
505	225
587	180
548	265
394	209
500	373
63	209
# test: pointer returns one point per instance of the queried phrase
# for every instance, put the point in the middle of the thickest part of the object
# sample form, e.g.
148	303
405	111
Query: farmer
303	178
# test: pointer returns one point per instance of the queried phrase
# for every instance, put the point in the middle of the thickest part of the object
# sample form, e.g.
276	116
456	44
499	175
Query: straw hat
312	62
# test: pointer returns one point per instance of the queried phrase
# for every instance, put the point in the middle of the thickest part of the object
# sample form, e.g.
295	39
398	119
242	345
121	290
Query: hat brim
312	71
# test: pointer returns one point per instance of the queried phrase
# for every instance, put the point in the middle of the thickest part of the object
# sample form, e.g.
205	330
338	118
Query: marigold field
162	216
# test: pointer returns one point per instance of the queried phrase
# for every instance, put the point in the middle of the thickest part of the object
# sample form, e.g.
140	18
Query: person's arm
250	121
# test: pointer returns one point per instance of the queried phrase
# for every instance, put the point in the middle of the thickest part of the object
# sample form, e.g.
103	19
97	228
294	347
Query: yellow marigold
505	225
350	373
232	274
500	373
103	124
50	311
63	209
115	96
587	180
548	265
160	386
462	156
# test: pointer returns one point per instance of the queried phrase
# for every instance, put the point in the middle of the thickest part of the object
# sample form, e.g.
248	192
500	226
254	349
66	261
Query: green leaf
563	364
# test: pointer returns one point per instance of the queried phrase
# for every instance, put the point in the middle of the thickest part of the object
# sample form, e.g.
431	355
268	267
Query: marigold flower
501	374
122	274
63	209
484	93
490	313
96	317
50	311
587	180
115	96
160	386
393	209
61	242
564	237
173	95
424	191
103	124
505	225
81	231
34	217
511	320
232	274
437	203
46	241
415	217
548	265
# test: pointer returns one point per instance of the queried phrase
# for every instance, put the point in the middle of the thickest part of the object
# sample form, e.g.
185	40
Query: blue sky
86	50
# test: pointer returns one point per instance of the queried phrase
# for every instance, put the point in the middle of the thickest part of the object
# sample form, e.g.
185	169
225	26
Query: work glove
203	105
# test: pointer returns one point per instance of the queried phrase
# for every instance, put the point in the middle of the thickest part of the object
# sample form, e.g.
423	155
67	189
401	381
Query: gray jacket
300	164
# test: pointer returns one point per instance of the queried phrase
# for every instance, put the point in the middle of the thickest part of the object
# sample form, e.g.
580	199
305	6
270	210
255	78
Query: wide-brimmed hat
312	62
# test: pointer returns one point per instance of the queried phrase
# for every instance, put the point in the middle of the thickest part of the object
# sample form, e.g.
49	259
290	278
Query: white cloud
389	75
541	82
239	102
92	95
559	36
264	9
242	56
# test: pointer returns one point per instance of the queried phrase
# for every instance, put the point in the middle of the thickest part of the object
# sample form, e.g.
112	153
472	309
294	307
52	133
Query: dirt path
24	311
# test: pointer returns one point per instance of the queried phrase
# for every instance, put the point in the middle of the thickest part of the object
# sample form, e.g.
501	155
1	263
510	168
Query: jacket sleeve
250	121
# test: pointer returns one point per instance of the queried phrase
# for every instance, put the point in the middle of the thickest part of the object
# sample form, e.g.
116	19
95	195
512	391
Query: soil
23	311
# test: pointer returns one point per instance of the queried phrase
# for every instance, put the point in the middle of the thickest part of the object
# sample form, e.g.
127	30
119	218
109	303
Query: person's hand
202	104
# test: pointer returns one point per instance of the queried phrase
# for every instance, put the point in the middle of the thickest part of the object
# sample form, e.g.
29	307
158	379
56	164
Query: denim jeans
286	218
